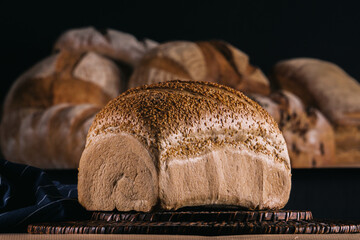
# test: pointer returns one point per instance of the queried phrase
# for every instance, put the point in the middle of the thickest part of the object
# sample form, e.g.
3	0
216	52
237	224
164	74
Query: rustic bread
111	43
336	94
322	84
211	61
183	143
49	109
309	136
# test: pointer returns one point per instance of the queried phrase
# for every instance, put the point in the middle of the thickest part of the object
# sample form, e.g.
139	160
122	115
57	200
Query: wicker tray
199	223
204	216
194	228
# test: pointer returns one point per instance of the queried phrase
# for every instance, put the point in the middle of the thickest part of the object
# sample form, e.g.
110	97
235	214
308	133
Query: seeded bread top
182	118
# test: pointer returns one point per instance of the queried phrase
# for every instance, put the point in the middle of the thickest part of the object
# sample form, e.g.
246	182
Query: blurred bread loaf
123	48
308	134
111	43
335	93
183	143
50	108
212	61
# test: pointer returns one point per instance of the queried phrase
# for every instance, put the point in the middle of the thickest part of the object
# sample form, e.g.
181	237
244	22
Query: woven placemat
195	228
199	222
204	216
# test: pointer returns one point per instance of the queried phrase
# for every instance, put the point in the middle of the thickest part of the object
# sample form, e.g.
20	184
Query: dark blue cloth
27	195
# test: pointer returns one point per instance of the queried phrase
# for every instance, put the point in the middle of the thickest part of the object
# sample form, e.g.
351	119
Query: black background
268	31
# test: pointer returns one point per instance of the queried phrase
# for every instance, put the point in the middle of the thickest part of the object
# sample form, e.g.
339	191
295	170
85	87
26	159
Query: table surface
178	237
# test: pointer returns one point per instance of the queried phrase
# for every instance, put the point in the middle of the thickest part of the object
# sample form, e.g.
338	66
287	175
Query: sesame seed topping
199	114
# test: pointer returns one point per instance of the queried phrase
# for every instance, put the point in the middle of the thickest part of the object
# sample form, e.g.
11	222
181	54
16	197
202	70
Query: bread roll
183	143
211	61
336	94
309	136
50	108
114	44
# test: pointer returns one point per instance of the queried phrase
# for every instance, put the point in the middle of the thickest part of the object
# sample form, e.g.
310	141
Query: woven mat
204	216
199	223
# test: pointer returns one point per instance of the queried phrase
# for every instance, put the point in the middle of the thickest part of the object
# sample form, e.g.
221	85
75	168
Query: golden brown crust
214	90
234	100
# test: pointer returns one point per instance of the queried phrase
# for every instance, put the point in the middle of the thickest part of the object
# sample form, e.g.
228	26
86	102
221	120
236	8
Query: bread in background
211	61
50	108
308	134
336	94
112	43
123	48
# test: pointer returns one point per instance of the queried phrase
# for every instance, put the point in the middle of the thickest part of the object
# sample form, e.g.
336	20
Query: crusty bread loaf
50	108
336	94
183	143
114	44
309	136
322	84
211	61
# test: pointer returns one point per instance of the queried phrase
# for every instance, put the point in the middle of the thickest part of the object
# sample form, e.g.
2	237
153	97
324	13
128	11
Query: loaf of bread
211	61
111	43
336	94
183	143
308	134
49	109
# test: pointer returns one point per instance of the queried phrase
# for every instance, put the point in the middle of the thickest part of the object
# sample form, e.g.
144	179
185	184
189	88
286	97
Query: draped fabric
28	195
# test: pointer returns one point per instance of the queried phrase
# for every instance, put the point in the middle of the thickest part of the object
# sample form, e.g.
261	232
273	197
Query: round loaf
183	143
210	61
49	109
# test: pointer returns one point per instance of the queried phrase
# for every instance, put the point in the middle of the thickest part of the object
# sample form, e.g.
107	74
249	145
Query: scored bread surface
210	61
183	143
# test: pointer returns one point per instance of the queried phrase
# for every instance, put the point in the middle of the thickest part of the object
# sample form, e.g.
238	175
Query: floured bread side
183	143
111	43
